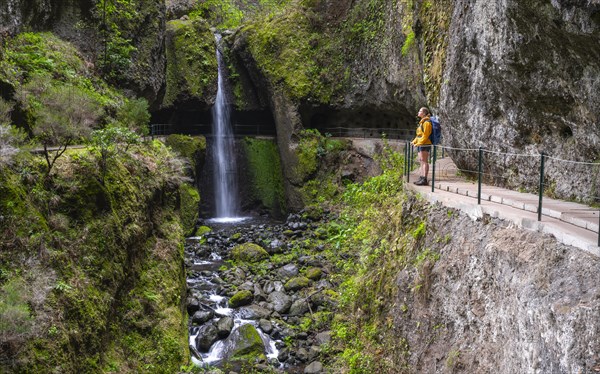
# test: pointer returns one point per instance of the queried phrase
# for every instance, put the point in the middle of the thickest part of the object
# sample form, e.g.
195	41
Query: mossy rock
264	168
192	148
249	344
202	230
321	233
187	146
249	252
313	212
191	63
314	273
241	298
297	283
188	206
235	237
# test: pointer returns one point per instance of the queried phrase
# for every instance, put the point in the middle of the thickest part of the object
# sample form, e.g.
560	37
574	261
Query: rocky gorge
363	276
249	301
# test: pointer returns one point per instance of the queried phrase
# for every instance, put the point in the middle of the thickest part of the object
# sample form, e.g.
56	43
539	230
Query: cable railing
495	167
239	130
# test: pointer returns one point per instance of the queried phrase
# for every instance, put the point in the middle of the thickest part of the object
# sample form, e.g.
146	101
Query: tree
107	142
64	114
135	116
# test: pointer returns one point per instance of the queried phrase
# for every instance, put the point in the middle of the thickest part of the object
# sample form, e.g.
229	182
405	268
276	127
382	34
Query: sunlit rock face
524	77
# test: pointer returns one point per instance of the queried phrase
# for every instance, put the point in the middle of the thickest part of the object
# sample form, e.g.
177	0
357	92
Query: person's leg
424	163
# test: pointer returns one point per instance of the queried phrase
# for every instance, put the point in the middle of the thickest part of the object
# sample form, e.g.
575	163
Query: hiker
423	144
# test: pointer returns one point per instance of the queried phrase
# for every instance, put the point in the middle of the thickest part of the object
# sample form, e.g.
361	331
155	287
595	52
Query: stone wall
499	300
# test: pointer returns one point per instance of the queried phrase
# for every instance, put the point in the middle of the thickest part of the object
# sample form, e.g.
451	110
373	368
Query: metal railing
545	164
240	130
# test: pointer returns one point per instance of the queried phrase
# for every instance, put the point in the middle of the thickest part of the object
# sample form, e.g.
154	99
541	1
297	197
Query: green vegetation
313	148
436	24
112	283
91	262
370	242
191	61
249	252
127	30
61	100
291	47
265	172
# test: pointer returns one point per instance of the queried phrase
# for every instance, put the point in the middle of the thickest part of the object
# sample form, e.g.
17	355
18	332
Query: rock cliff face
512	77
523	77
15	15
498	300
140	25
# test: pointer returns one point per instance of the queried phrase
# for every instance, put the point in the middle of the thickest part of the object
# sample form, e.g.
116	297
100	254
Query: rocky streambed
259	295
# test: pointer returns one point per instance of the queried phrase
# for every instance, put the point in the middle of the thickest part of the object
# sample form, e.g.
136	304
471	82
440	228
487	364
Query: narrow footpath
570	223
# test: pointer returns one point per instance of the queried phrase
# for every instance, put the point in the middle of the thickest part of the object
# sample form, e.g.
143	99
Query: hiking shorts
426	148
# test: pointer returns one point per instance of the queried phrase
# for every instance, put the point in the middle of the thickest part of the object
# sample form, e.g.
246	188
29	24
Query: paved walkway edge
574	236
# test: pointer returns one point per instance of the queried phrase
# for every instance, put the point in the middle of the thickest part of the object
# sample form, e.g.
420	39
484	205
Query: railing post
480	168
433	168
410	151
541	189
406	160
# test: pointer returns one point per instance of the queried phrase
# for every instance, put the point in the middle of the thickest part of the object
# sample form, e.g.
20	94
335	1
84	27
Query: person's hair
426	110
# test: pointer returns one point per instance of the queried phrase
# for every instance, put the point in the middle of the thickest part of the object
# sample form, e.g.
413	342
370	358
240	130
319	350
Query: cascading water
223	150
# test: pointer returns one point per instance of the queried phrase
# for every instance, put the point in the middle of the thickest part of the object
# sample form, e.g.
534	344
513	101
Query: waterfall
223	151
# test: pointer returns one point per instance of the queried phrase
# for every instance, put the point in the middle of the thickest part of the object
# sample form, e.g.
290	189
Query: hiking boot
421	182
418	181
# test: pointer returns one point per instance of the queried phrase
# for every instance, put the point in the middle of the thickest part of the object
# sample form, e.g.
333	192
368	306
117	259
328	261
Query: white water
224	167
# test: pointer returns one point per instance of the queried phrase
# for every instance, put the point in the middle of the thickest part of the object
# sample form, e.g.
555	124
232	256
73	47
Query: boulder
298	308
202	316
297	283
314	367
224	326
280	301
249	252
243	343
254	312
207	335
288	271
241	298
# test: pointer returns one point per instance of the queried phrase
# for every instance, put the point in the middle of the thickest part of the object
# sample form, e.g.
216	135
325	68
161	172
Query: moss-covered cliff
122	39
92	272
191	65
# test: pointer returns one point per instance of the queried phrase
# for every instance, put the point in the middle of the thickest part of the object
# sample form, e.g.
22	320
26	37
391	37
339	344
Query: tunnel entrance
364	122
198	122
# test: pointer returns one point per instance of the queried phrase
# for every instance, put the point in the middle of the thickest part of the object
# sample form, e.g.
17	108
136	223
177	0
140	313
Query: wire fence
541	174
240	130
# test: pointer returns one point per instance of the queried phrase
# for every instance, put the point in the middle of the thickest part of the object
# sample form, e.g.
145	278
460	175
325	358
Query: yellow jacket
423	131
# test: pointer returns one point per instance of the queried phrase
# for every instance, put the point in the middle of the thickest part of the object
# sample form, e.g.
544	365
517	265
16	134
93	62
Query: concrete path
570	223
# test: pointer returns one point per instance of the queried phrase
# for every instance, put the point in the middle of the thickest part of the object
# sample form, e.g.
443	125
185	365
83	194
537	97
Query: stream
257	328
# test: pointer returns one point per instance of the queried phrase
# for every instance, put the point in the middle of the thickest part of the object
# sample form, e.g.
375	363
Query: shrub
15	317
135	116
8	135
